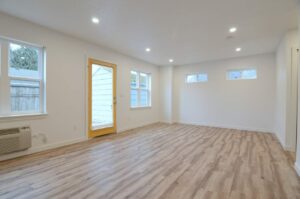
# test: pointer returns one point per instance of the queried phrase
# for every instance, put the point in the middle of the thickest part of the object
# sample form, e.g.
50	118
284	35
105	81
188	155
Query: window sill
140	107
22	117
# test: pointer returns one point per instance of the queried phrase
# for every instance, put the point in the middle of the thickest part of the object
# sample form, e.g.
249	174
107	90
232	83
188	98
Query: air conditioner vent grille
9	145
14	139
9	131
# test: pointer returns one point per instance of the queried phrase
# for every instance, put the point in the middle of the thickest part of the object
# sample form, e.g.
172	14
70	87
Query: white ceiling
189	31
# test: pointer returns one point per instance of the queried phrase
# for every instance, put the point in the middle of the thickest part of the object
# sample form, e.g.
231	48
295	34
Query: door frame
109	130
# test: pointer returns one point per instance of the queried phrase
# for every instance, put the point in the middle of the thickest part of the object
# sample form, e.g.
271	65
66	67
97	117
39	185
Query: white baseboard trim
297	168
41	148
166	122
228	127
69	142
135	126
280	141
287	148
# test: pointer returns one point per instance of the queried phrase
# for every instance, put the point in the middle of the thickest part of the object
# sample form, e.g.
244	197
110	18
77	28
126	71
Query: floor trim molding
135	127
297	168
262	130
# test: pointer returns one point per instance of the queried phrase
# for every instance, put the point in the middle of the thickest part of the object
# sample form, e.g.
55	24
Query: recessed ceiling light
171	60
148	49
238	49
233	29
95	20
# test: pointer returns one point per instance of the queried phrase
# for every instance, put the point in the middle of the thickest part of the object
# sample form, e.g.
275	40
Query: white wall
166	94
242	104
286	90
281	85
66	85
297	164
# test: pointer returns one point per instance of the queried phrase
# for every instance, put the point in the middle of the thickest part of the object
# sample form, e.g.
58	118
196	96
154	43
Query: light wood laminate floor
157	161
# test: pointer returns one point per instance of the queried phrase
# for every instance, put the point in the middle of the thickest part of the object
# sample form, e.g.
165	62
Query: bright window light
23	86
195	78
140	93
242	74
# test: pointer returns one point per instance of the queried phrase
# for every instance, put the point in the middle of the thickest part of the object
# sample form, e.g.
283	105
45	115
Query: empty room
140	99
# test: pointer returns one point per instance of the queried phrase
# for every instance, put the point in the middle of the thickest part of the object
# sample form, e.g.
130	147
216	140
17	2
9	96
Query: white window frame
241	70
138	89
197	80
6	78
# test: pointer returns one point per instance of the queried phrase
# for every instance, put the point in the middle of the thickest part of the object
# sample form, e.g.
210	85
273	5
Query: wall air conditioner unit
15	139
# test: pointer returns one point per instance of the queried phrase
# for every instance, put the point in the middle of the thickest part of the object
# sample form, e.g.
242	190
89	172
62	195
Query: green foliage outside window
24	58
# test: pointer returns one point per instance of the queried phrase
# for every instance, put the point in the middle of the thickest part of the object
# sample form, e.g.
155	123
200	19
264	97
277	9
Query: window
140	93
194	78
21	79
241	74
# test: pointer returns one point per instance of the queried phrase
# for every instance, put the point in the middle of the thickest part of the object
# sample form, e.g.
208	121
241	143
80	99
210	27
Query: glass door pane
102	97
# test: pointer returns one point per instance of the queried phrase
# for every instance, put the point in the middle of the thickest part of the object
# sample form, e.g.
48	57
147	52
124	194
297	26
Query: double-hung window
22	79
140	93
